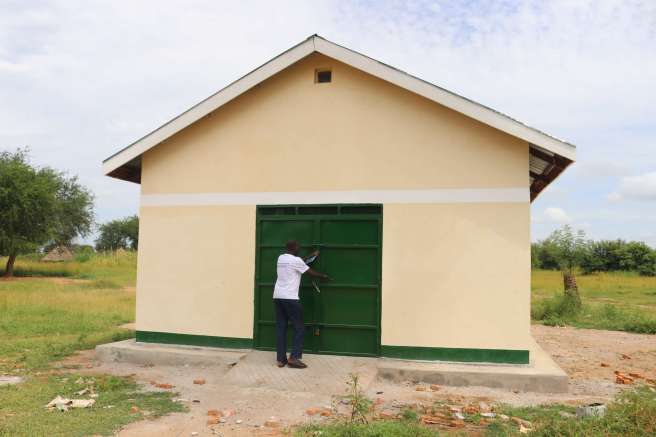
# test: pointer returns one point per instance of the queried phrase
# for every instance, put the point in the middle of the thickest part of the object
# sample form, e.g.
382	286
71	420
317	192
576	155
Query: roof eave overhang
131	154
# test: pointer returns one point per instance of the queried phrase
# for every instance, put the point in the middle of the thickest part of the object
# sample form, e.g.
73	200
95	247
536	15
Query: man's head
292	247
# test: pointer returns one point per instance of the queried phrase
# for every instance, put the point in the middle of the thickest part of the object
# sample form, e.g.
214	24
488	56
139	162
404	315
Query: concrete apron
328	373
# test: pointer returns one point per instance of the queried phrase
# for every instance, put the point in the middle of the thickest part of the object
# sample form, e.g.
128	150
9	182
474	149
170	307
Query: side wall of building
455	273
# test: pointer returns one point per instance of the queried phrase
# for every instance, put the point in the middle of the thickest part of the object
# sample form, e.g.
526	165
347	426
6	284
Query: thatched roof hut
59	253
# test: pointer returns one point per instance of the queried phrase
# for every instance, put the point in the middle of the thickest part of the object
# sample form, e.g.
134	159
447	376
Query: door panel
356	306
347	341
277	232
351	265
349	232
344	317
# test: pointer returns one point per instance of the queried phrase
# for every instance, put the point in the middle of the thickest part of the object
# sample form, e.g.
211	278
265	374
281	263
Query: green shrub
559	307
560	311
632	414
374	429
409	414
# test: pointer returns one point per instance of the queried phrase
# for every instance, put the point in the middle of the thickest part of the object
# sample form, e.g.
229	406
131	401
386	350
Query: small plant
568	249
360	404
409	414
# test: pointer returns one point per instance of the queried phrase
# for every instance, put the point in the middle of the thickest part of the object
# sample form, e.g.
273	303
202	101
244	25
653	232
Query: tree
541	258
74	212
119	234
568	249
38	205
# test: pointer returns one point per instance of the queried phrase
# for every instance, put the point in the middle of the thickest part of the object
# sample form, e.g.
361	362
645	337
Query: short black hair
291	245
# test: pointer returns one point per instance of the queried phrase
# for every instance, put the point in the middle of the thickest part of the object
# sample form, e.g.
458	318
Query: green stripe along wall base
194	340
463	355
500	356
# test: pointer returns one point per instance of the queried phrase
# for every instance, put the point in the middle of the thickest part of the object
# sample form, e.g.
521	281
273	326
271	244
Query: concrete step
129	351
326	373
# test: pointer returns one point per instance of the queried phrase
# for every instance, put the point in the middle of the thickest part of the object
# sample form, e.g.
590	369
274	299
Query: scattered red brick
313	411
161	385
605	365
213	420
385	414
199	381
134	409
621	378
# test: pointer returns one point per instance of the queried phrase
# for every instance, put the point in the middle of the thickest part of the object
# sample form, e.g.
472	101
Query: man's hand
316	274
311	257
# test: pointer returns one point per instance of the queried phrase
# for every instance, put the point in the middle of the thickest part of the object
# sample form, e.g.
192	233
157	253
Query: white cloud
557	215
641	187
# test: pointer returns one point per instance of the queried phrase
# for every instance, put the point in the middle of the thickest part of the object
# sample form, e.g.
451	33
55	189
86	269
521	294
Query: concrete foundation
541	375
129	351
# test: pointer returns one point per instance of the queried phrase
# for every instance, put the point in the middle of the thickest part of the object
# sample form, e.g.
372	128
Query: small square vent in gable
323	75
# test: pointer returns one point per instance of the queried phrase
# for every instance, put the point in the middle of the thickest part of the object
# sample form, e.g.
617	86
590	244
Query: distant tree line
596	256
119	234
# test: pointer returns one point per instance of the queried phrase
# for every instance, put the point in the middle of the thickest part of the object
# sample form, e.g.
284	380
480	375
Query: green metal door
344	317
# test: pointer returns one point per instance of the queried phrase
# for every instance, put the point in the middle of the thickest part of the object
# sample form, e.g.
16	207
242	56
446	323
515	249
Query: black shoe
296	364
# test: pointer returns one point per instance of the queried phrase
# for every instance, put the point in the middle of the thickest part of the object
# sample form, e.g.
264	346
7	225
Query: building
418	198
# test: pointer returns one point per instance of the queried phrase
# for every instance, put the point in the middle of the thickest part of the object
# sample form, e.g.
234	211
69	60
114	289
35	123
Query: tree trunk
9	268
571	288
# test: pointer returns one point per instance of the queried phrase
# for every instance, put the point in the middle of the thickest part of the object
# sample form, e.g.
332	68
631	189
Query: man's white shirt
290	268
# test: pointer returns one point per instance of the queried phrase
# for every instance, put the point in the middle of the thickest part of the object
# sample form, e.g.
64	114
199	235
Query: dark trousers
289	310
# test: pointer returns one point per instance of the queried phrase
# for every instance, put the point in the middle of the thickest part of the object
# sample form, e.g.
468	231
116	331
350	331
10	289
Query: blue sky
81	79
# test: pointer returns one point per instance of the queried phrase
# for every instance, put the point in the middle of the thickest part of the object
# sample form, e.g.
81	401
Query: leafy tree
542	258
635	255
38	205
608	256
74	214
119	234
568	248
602	256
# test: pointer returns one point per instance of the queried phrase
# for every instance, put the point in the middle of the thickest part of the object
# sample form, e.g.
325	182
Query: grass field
44	319
616	301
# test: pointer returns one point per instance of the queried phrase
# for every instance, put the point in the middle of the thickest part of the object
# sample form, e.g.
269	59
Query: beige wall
356	133
454	275
195	270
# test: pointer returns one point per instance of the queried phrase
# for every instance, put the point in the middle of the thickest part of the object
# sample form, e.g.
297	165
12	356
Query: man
288	307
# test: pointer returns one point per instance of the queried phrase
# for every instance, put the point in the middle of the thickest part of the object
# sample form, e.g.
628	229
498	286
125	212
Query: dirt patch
10	380
55	280
580	352
591	356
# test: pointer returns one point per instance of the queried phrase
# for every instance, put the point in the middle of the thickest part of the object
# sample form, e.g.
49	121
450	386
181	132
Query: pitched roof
549	156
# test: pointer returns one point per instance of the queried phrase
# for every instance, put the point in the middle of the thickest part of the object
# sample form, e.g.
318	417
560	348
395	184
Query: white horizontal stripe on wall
458	195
